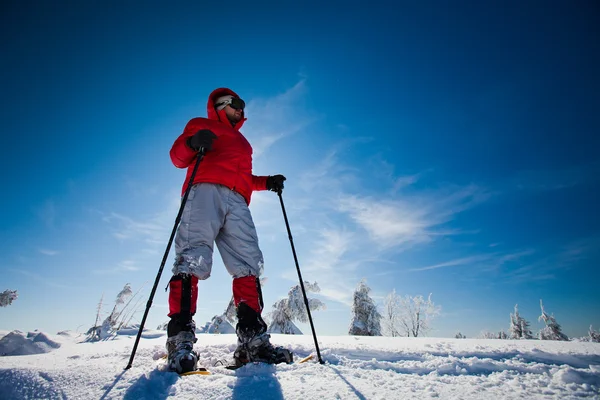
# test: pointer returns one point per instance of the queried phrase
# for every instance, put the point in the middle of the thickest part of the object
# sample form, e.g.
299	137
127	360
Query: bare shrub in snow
119	318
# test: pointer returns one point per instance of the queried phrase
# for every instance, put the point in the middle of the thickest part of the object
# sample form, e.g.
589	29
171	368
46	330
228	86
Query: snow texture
355	367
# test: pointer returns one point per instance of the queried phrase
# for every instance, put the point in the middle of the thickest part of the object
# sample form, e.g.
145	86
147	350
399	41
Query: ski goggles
234	102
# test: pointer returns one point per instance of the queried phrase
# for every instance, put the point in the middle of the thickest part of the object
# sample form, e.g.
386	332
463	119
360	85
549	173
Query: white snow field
354	368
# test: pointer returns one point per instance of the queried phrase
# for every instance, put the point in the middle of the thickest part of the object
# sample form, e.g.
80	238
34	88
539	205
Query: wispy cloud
456	262
484	262
406	220
39	278
555	179
558	261
48	252
272	119
122	266
47	213
328	264
153	229
399	215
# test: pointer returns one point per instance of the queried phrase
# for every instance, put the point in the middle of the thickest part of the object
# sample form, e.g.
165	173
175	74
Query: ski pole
312	326
164	260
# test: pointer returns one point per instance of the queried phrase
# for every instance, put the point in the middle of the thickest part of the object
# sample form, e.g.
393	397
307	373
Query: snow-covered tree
417	314
292	308
230	313
366	320
486	335
594	336
459	336
552	330
502	335
390	318
218	324
7	297
519	327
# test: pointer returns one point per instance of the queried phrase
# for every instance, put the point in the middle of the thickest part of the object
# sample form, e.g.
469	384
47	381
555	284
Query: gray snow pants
216	214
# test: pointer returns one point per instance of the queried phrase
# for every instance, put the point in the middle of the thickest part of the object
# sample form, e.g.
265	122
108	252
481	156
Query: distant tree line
402	315
412	317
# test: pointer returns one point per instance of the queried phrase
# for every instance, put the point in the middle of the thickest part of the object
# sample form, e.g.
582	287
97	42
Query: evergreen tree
594	336
552	330
366	320
515	325
519	327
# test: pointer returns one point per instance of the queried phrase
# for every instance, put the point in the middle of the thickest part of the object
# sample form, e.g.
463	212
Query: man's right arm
181	154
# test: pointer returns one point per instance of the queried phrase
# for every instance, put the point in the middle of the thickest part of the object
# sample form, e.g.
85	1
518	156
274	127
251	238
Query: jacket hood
220	115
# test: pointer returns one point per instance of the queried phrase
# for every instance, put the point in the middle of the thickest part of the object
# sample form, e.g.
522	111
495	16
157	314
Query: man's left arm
273	183
259	182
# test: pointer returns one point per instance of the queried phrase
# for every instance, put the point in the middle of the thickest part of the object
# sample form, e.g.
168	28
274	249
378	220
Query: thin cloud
39	278
123	266
565	258
151	229
456	262
48	252
555	179
484	262
47	213
407	220
327	264
272	119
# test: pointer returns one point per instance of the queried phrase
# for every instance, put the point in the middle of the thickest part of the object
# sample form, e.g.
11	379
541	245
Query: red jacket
229	163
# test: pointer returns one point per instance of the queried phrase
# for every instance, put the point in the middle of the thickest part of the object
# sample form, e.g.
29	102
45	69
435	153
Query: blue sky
447	147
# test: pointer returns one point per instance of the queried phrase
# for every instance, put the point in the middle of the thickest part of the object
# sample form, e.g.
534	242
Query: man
217	211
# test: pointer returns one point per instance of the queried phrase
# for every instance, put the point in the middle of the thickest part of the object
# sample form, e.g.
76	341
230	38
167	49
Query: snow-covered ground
354	368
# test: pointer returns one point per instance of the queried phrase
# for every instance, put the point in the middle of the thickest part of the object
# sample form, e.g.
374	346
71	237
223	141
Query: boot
260	349
253	341
181	355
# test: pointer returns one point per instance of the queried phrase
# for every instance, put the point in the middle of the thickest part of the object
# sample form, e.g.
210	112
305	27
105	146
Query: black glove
275	183
202	139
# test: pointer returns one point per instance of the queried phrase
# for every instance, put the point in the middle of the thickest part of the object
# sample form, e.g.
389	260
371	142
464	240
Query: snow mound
16	343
